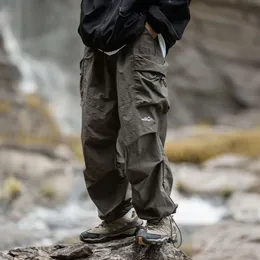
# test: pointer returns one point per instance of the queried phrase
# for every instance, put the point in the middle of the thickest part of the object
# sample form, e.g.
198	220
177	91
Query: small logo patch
147	119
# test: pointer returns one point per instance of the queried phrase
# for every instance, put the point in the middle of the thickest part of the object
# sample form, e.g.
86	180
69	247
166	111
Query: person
124	115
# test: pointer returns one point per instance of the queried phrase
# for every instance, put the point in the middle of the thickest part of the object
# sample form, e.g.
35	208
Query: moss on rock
48	191
74	143
4	106
201	148
12	188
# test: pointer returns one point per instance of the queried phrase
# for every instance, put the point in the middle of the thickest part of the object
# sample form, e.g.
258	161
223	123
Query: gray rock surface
245	119
227	240
214	69
245	207
229	161
28	164
255	166
42	179
203	181
12	235
124	249
37	168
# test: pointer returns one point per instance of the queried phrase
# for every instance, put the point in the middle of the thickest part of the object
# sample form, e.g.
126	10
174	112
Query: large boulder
124	249
215	69
192	179
227	240
245	207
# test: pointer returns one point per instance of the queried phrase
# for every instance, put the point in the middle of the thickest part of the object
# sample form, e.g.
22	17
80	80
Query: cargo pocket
88	55
150	85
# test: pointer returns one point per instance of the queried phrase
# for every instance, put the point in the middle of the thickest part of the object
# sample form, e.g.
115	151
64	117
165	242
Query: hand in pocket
150	30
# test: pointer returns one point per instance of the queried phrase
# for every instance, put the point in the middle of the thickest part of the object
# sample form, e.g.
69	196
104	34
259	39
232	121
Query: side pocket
81	84
150	84
84	75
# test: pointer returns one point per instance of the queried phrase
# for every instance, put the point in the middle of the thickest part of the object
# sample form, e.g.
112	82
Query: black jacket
109	24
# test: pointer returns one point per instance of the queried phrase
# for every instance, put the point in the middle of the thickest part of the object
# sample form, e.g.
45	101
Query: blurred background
214	126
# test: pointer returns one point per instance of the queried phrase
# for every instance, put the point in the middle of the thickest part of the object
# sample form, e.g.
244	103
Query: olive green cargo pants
124	121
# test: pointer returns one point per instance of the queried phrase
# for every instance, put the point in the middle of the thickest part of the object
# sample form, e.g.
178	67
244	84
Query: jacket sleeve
170	18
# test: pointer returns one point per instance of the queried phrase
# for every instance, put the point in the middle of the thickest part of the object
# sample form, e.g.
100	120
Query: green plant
5	106
226	193
182	188
12	188
48	191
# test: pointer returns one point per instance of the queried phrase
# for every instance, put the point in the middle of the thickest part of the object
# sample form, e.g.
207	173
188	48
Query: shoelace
102	224
180	234
105	224
172	221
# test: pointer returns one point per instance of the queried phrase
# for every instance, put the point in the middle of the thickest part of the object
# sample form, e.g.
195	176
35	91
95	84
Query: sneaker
126	226
157	232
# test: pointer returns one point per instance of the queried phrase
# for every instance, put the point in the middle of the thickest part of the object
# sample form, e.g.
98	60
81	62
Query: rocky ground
31	181
228	240
34	212
124	249
236	179
221	176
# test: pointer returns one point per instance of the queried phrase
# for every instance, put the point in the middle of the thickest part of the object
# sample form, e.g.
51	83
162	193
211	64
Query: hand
150	30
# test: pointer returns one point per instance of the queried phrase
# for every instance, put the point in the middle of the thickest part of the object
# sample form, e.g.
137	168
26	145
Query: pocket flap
143	64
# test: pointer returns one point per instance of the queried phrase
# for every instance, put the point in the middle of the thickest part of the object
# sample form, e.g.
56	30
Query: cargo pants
124	121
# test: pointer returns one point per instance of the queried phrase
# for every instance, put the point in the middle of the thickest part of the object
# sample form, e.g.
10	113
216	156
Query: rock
255	166
223	182
63	152
19	237
116	250
186	132
59	186
249	118
46	180
230	161
27	164
17	208
5	257
207	78
227	240
245	207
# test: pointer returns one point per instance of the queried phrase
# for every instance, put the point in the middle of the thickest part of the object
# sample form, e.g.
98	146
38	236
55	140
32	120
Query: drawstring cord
179	231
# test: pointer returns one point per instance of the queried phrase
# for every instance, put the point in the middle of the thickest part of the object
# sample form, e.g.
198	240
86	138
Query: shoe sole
123	234
149	242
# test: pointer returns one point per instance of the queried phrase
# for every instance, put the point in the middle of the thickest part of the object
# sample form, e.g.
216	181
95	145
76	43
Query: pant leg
143	106
106	186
